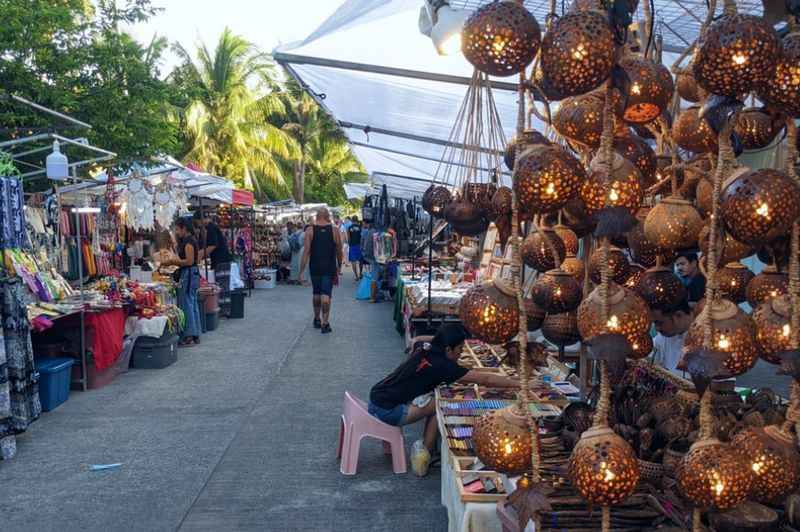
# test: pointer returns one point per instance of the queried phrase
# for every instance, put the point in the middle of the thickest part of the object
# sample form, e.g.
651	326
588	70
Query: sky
267	23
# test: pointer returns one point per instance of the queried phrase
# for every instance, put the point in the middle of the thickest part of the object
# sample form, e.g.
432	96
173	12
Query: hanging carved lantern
735	54
480	195
618	265
436	199
767	285
628	314
547	178
634	277
489	311
759	205
578	52
673	224
574	266
517	145
556	291
693	133
730	250
756	128
639	152
687	86
661	289
501	202
703	196
734	333
650	90
622	189
732	281
569	238
643	250
537	254
580	119
466	218
603	467
782	89
714	475
773	459
534	313
641	347
502	441
561	329
773	327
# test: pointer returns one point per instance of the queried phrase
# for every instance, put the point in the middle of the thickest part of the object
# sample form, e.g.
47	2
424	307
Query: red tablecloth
109	331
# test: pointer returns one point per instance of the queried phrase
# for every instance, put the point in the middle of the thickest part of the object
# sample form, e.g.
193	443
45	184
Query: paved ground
240	434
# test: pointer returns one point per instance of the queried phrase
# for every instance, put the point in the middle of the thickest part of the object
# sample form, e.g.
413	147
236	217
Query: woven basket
651	471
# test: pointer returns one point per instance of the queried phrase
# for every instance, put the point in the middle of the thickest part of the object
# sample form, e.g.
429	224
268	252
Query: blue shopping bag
364	291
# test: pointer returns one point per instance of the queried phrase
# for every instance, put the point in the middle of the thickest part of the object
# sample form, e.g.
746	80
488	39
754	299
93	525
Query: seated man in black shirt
428	366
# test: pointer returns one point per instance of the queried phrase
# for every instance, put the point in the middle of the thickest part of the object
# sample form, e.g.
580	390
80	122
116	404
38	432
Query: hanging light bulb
57	164
443	25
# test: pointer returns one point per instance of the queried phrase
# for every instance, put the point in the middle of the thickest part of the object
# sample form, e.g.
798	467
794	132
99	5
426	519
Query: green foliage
71	56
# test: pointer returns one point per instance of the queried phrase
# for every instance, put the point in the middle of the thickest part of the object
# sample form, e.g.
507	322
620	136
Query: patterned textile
12	215
19	381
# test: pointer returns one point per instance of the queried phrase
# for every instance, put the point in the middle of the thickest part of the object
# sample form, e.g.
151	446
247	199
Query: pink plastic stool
358	423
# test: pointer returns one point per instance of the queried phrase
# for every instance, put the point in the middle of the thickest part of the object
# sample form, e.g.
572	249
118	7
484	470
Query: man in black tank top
323	253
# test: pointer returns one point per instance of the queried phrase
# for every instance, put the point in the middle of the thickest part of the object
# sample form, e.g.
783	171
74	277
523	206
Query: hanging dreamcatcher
165	205
137	203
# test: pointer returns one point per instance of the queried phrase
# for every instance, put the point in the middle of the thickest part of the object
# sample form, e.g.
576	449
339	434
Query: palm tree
231	92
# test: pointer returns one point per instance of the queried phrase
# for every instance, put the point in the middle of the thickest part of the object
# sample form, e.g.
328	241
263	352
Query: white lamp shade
446	32
57	164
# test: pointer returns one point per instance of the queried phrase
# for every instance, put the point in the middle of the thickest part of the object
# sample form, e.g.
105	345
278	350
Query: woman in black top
322	251
430	365
189	281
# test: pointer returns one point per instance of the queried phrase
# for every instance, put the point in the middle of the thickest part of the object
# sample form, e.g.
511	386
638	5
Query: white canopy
397	100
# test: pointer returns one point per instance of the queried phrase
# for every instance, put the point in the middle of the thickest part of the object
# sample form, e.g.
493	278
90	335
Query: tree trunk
299	187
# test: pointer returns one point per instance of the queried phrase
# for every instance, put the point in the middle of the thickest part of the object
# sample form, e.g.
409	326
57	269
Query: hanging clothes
12	214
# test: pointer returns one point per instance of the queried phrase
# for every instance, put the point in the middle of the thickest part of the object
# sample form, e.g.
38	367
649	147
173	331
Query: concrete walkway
240	434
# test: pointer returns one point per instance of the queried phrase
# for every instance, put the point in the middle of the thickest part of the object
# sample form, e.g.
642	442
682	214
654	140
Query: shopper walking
354	241
188	281
323	254
216	249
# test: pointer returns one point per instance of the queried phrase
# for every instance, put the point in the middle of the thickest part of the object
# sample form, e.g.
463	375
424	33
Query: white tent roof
397	100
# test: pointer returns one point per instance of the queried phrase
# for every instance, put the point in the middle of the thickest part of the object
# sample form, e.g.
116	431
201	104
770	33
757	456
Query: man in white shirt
671	325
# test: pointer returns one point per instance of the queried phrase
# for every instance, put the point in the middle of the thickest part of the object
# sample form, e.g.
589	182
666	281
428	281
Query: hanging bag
368	211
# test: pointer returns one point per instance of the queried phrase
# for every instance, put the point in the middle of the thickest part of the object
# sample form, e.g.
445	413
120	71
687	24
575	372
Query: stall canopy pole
430	268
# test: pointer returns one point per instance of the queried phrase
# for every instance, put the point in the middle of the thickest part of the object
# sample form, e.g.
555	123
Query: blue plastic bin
54	376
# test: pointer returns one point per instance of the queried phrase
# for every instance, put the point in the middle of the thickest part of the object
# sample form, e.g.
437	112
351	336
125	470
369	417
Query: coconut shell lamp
641	347
661	289
636	274
638	151
703	196
568	237
538	254
501	38
603	467
782	88
578	52
693	133
736	54
501	202
517	145
756	128
650	90
628	314
436	199
734	333
489	311
673	223
556	291
773	327
622	188
480	195
732	281
730	250
502	441
643	251
774	461
714	475
758	206
535	315
574	266
561	329
466	218
767	285
687	87
547	177
580	119
618	265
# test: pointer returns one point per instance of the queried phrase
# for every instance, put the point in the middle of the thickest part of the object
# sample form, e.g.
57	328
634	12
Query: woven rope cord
606	525
604	401
729	7
794	260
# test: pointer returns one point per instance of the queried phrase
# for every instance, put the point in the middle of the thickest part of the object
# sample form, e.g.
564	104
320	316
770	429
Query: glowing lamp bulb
719	487
786	329
636	89
763	210
740	58
613	195
579	53
724	343
613	322
509	448
551	189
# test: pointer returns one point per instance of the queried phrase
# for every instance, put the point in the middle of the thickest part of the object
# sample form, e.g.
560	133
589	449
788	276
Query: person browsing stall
216	249
671	326
429	365
354	242
322	252
188	281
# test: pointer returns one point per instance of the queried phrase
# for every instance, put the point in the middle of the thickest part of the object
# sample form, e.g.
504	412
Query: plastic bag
364	291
